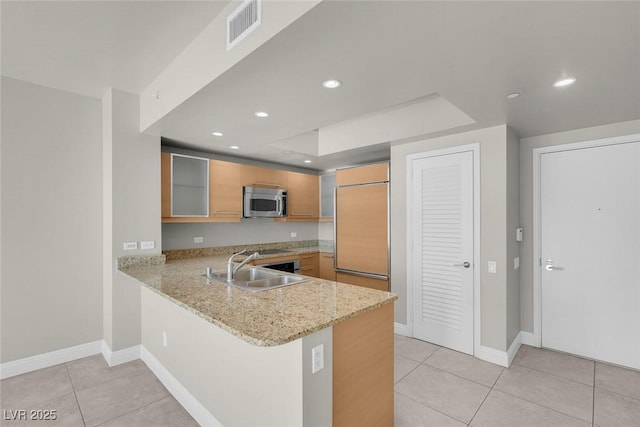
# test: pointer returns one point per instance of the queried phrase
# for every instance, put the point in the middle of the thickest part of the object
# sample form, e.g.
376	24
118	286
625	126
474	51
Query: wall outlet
516	263
294	234
129	246
150	244
164	338
317	358
198	239
493	267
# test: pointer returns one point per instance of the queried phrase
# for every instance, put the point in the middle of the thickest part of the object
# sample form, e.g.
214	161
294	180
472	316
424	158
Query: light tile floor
87	392
434	386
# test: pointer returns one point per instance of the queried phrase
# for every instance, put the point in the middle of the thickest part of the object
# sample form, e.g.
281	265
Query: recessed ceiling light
307	161
331	83
513	95
217	133
261	114
565	82
234	147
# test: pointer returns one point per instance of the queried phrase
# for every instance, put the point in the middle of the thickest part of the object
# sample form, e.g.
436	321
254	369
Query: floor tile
413	348
94	370
409	413
613	410
444	392
109	400
163	413
563	365
502	410
550	391
465	366
402	366
62	412
42	385
618	380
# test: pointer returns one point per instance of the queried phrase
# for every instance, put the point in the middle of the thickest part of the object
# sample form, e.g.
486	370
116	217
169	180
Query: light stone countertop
266	318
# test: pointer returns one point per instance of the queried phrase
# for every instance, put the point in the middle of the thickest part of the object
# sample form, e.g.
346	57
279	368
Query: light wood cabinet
263	177
367	282
309	264
327	271
303	197
225	199
377	172
363	370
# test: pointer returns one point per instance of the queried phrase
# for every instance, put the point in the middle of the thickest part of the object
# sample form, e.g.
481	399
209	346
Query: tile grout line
554	375
485	398
430	407
137	409
458	376
73	387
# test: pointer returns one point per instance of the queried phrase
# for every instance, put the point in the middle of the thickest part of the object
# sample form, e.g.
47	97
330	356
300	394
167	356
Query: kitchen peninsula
247	356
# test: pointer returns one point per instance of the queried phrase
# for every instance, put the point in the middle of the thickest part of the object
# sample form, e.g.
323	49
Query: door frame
475	150
537	214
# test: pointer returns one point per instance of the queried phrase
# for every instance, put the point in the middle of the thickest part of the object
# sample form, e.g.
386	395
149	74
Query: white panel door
590	248
442	255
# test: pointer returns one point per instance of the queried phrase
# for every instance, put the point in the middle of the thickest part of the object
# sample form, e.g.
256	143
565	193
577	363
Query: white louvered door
442	221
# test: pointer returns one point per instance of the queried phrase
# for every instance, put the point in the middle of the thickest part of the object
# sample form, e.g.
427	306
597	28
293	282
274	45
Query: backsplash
227	250
249	231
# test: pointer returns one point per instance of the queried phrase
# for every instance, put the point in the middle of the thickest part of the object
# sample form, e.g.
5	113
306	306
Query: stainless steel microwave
261	202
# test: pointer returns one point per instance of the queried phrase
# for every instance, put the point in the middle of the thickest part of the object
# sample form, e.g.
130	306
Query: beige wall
513	246
51	220
134	170
493	225
526	197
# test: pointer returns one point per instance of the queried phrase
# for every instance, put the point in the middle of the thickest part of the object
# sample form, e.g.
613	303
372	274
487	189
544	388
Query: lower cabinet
367	282
327	271
309	265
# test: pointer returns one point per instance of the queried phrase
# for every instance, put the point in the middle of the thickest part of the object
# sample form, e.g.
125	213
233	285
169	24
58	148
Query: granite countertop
266	318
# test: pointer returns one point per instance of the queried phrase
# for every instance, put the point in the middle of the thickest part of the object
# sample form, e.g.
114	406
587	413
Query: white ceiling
387	53
86	47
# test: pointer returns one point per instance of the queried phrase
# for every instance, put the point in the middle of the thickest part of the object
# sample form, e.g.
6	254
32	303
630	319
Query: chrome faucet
231	271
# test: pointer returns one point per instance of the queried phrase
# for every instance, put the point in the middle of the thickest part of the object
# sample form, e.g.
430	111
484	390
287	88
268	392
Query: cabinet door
309	265
378	172
264	177
185	186
327	189
327	271
303	194
225	199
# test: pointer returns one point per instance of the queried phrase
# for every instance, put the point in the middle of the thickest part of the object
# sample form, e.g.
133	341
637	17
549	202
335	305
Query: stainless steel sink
256	279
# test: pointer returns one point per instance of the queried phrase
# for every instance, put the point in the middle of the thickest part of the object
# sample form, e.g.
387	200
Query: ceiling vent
243	21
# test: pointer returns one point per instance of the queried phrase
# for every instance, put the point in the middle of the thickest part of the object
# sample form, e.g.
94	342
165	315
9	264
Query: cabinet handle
267	184
307	256
300	214
328	256
225	213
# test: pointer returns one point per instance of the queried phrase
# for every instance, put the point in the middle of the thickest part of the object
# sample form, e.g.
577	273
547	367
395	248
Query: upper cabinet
378	172
185	186
303	193
225	200
263	177
197	189
327	189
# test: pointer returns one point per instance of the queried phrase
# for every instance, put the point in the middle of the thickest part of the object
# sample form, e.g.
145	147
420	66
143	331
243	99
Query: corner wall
51	220
493	225
513	246
133	214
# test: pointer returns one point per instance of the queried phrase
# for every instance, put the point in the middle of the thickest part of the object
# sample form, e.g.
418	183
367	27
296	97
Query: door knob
464	264
550	267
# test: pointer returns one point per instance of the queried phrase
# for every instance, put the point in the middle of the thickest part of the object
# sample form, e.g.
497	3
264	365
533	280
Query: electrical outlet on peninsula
317	358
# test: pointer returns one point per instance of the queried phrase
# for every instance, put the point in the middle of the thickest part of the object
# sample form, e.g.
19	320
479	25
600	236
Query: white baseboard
119	357
494	356
529	338
401	329
181	394
40	361
513	348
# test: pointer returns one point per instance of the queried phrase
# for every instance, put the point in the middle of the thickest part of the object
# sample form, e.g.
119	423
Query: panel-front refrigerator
362	226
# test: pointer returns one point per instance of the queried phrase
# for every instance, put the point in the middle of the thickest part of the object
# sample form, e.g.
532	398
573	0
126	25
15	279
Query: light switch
516	263
493	267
